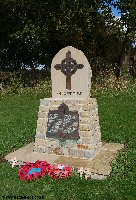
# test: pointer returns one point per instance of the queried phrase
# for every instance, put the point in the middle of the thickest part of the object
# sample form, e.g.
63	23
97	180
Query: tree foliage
128	20
32	32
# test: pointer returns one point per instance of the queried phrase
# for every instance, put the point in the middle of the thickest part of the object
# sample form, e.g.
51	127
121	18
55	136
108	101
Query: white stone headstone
78	85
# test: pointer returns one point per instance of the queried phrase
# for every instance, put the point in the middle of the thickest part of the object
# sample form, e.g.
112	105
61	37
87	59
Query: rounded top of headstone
71	74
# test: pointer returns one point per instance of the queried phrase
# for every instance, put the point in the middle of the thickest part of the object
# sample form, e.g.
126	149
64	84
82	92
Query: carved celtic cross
68	67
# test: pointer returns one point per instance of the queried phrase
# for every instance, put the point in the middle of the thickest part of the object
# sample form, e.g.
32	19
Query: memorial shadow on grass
117	120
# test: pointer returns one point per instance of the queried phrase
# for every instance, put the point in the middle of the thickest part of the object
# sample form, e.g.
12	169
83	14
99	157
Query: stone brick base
89	143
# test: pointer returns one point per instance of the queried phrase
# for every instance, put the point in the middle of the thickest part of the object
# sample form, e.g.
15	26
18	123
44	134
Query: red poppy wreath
60	171
32	171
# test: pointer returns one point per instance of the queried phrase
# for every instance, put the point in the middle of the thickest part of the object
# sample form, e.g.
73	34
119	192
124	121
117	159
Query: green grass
117	112
17	121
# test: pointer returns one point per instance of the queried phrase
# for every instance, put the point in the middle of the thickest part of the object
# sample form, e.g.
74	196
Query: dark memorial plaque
62	123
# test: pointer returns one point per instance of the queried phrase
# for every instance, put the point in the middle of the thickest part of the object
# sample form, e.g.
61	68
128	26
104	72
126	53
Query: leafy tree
32	32
128	20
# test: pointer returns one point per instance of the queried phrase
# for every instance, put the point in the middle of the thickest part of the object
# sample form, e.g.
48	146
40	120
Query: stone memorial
68	123
68	129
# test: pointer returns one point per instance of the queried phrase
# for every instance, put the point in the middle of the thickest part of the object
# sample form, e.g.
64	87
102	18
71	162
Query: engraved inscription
63	124
69	93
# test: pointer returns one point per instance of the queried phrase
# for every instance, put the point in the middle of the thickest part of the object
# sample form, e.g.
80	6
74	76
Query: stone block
79	102
98	146
42	121
56	102
84	121
54	144
69	102
78	107
84	146
84	127
49	150
89	154
41	129
97	140
70	145
92	116
42	114
54	107
39	142
95	126
46	141
51	141
86	101
44	108
73	152
35	149
93	107
57	151
85	107
65	151
83	133
40	136
91	119
44	102
71	108
85	114
41	149
92	100
81	153
73	103
85	140
80	114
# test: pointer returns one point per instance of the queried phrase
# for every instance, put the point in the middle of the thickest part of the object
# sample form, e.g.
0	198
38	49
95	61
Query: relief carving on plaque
62	123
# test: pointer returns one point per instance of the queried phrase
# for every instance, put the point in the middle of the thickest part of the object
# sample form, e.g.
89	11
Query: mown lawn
117	111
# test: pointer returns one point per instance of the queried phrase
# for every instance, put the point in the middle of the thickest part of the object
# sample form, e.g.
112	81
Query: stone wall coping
64	99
